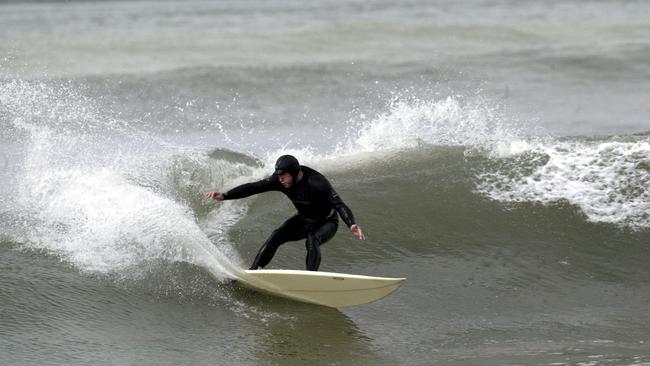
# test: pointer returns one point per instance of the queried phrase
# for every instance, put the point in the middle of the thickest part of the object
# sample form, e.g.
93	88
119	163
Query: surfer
315	200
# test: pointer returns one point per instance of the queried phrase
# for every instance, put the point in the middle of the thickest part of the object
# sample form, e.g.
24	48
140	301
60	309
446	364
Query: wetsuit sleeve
335	200
344	211
249	189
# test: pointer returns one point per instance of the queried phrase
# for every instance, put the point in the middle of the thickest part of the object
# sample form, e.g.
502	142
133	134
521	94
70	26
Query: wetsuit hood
287	164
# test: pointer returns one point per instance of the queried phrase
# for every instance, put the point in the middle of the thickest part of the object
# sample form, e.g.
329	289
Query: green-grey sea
496	153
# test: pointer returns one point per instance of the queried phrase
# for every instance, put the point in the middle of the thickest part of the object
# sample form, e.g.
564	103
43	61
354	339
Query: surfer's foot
253	268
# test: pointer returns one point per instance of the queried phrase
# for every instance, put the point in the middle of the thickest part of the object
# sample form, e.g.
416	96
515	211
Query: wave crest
452	121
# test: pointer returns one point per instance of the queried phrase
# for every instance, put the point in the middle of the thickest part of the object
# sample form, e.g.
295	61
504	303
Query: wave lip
452	121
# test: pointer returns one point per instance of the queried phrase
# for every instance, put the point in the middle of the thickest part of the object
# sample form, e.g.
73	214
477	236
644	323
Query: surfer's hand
215	195
356	231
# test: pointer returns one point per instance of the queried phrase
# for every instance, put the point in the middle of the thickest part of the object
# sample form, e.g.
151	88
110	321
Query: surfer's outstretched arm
245	190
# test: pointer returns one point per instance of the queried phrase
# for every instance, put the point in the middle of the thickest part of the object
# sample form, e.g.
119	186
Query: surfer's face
286	180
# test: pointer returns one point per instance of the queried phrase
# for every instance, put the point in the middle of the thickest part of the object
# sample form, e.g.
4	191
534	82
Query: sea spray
96	190
450	121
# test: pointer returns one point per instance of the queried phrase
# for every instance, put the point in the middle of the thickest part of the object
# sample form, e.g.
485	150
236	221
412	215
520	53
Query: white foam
513	147
609	181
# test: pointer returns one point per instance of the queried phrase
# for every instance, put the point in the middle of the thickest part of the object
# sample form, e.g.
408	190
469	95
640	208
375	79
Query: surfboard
331	289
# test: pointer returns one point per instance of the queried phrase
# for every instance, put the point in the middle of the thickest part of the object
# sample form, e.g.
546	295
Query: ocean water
496	153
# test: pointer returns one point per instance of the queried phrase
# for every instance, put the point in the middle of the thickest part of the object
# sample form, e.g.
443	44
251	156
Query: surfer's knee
325	233
313	241
277	238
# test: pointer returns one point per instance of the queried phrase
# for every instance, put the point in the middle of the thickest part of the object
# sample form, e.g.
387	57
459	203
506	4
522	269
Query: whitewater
496	154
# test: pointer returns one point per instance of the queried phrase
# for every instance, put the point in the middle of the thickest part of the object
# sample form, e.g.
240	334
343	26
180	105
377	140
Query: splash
452	121
100	194
408	123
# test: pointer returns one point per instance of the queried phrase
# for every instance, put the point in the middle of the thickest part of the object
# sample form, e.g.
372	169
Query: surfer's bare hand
215	195
356	231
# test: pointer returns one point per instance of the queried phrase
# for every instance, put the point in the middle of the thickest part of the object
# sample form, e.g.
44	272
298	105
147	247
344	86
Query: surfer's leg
315	239
292	229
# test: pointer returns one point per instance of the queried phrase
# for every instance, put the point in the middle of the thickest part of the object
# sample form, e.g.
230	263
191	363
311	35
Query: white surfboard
323	288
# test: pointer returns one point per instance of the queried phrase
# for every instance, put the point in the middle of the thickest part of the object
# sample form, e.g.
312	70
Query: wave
607	178
406	41
109	198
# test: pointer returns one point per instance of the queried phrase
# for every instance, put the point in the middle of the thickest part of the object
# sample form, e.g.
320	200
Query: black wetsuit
317	204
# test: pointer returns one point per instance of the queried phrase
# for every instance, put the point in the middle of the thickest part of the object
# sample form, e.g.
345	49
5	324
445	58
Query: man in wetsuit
314	198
